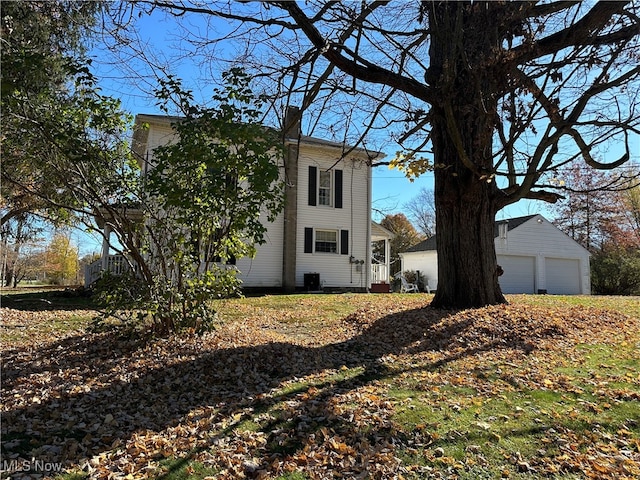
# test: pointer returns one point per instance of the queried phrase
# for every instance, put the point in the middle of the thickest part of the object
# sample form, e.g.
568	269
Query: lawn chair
405	286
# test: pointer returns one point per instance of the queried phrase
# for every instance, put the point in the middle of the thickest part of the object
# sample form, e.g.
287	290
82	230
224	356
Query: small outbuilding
536	257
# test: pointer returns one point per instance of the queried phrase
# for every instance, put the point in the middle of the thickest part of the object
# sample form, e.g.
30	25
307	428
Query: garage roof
431	243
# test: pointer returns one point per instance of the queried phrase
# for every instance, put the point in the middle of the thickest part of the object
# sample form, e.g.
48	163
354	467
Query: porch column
105	246
387	258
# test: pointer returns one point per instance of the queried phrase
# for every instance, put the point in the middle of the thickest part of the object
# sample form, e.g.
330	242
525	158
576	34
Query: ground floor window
326	241
318	240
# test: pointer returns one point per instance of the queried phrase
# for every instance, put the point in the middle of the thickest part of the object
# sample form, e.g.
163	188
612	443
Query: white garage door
563	276
519	274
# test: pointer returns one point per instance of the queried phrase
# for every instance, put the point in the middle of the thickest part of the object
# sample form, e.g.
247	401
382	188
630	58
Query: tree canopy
44	82
605	222
67	156
594	214
61	260
422	211
405	236
43	65
493	96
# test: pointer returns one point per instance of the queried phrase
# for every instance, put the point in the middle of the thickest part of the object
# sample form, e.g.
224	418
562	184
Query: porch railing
379	273
116	264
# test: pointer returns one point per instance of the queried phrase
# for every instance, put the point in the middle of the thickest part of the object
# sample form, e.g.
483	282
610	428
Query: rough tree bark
462	131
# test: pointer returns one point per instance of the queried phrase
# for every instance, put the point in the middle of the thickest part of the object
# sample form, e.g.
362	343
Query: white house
536	258
322	240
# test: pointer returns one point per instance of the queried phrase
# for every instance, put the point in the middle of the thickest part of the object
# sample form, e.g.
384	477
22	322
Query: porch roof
378	232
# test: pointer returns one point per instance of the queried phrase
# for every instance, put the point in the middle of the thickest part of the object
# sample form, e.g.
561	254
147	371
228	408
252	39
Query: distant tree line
606	221
42	260
597	210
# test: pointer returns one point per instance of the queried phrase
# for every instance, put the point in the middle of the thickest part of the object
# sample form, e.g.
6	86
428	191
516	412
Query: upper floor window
325	187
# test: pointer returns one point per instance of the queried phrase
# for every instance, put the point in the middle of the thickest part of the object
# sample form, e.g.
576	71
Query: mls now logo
30	466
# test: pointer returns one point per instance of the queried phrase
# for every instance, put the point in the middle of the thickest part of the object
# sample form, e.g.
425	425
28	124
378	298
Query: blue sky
391	189
131	81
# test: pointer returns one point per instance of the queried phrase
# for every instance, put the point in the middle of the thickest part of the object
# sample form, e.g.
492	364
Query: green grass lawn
28	313
318	386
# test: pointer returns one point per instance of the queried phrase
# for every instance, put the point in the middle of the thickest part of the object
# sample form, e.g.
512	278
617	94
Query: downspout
368	260
353	164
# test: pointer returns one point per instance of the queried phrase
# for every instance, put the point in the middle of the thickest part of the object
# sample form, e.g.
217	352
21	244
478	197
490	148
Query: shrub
616	271
164	307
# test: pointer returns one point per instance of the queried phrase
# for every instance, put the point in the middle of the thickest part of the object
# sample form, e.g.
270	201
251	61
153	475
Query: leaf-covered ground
330	386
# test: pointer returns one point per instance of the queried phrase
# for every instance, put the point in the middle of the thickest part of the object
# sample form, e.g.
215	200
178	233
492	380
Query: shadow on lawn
68	299
102	389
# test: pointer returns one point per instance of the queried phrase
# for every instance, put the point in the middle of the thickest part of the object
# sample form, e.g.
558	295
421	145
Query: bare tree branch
579	33
369	73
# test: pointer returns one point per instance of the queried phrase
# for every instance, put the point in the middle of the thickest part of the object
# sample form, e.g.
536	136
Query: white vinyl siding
541	240
535	256
343	185
265	269
424	262
352	216
159	135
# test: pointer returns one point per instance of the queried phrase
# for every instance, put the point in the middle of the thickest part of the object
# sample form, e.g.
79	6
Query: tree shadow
48	300
83	396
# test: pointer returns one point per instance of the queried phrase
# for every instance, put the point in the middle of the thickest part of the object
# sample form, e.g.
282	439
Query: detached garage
535	256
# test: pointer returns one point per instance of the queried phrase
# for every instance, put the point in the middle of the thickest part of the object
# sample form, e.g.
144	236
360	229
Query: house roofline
140	137
331	145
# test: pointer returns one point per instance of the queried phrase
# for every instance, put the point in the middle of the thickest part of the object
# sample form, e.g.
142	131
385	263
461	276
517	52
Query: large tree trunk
467	268
462	132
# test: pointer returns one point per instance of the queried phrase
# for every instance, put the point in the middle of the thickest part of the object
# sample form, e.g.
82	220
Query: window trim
330	188
326	230
341	235
336	179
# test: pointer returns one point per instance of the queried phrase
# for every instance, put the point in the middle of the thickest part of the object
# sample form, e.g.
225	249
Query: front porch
380	279
114	264
117	264
380	259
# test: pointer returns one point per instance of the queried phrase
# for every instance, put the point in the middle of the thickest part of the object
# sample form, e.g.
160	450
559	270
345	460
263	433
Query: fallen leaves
266	395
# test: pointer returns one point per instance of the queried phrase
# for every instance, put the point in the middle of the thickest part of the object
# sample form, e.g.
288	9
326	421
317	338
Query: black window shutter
338	190
308	240
344	242
313	185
